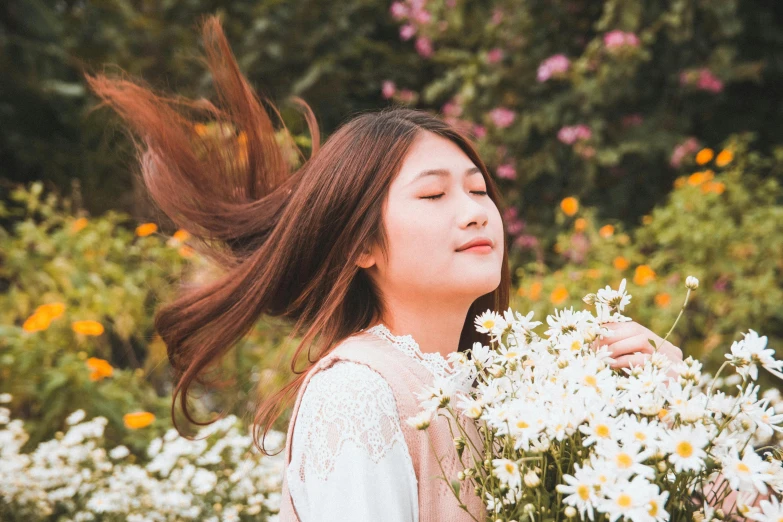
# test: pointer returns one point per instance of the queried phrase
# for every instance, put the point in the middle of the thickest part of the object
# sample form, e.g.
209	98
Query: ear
366	259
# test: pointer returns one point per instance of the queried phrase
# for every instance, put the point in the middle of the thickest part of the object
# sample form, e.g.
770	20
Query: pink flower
451	4
709	82
424	46
407	95
507	171
495	55
388	89
632	120
422	16
502	117
514	225
617	38
398	10
497	16
407	31
479	131
571	134
685	148
553	66
451	108
526	241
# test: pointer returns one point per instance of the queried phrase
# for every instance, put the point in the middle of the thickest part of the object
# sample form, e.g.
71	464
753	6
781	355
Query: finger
617	332
625	361
637	343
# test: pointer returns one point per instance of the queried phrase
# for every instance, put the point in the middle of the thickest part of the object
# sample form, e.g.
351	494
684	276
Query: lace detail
346	403
434	362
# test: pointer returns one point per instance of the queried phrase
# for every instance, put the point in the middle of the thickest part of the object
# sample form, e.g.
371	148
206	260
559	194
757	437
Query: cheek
417	239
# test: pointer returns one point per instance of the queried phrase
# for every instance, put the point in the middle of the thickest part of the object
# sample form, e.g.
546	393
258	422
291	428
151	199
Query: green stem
678	316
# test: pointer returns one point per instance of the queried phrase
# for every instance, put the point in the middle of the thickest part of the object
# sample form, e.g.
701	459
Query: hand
630	345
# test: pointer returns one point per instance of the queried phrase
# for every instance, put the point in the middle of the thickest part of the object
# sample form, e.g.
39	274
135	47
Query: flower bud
461	475
662	466
529	508
570	511
691	283
589	299
531	479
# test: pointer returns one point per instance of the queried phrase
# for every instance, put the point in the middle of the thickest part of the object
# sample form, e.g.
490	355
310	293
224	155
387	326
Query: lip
476	242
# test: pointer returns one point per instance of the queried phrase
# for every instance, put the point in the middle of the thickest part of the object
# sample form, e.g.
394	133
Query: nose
473	212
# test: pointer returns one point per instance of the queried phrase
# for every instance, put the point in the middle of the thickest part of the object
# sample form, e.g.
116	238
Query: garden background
631	139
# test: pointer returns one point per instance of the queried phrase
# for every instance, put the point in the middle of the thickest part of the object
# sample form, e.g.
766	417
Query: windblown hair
287	242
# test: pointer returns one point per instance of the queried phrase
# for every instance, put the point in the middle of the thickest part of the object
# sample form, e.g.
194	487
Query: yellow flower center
624	500
653	511
741	466
591	380
684	449
583	491
640	435
509	467
602	430
522	424
624	460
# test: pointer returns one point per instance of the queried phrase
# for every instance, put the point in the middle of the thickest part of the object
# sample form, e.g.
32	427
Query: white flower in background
686	447
599	427
749	352
119	452
770	510
507	472
580	489
480	354
75	417
471	407
5	398
490	322
749	472
626	460
615	299
421	420
628	499
691	283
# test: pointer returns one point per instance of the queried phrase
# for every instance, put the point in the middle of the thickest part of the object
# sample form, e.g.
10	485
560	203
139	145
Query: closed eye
438	196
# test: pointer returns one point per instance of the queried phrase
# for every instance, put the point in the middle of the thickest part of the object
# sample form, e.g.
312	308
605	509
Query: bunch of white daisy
219	477
563	436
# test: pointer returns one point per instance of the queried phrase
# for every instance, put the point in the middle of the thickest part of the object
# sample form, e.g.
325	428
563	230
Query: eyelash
438	196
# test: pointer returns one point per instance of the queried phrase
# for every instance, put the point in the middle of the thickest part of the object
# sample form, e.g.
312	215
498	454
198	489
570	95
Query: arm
349	458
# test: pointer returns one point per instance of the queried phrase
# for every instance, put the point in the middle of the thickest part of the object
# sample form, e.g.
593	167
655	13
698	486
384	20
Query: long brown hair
287	238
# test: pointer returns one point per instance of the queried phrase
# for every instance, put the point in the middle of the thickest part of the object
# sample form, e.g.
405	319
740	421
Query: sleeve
349	459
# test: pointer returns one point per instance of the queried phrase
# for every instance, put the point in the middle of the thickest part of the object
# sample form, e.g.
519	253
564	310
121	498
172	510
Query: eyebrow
442	173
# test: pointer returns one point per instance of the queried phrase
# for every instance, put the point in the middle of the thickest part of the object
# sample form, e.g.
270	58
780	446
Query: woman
382	247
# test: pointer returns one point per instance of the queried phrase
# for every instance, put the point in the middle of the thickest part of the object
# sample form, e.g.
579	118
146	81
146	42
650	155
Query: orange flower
646	219
146	229
79	224
200	129
697	178
36	323
593	273
185	251
606	231
662	300
181	235
724	158
679	182
535	291
644	274
580	224
704	156
559	295
87	327
570	206
139	419
717	187
621	263
100	368
51	310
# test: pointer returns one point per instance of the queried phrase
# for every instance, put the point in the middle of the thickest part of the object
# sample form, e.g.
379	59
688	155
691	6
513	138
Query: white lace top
349	459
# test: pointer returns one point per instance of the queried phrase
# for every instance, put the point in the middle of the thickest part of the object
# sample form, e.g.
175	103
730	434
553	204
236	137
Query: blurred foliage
333	55
722	224
76	321
596	100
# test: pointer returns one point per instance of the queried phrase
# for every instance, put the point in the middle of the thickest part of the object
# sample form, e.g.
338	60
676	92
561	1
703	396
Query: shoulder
348	383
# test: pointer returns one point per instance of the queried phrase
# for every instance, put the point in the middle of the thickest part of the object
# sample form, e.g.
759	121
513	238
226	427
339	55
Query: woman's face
425	232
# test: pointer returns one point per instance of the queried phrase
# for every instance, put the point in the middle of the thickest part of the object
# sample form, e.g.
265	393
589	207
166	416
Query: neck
434	328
